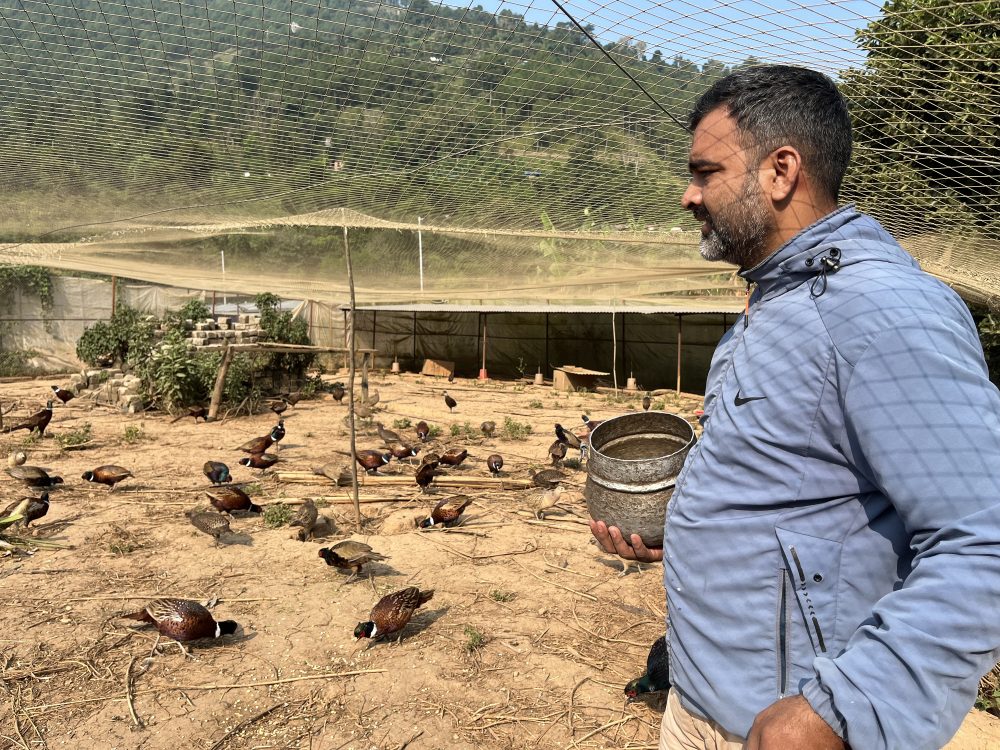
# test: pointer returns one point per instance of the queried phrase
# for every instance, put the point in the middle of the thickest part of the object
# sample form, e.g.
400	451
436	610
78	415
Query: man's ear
786	162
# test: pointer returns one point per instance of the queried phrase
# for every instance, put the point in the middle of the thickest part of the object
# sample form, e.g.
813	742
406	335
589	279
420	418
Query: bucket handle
631	488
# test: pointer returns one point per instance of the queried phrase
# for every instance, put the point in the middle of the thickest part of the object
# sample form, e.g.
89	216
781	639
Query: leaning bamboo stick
392	481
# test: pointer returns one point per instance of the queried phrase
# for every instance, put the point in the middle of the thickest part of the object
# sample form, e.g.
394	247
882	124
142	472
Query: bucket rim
604	457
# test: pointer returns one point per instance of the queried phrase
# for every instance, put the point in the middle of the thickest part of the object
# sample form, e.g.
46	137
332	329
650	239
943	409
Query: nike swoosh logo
740	400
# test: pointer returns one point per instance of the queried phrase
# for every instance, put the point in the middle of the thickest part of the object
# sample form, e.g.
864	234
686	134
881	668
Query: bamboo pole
350	383
614	351
680	331
297	477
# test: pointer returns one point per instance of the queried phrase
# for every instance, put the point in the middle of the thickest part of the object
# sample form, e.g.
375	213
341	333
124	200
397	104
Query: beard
739	230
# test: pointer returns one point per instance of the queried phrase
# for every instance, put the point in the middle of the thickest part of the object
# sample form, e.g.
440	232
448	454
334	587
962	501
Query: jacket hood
839	239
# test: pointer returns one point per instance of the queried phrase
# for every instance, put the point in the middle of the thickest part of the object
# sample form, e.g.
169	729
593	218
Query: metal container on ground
632	466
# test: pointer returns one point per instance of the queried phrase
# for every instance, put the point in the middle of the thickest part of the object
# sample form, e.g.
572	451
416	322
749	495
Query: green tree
927	107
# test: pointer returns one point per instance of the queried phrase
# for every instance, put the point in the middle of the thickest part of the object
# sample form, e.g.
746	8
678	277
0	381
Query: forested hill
390	109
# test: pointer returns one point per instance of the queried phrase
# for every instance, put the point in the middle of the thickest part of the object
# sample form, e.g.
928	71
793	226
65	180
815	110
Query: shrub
14	364
127	337
513	430
277	514
474	640
78	436
134	433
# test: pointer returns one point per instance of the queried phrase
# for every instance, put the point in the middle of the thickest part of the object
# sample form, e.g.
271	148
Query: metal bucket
631	470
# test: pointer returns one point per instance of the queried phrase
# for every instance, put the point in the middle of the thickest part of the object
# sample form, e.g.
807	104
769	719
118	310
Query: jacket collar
803	254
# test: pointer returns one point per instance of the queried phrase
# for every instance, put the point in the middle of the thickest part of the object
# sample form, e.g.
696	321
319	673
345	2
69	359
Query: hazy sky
813	33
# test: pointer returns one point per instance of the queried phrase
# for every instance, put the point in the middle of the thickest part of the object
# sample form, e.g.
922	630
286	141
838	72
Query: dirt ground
527	643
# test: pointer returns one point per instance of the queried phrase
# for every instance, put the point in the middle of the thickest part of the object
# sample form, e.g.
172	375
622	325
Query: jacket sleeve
923	422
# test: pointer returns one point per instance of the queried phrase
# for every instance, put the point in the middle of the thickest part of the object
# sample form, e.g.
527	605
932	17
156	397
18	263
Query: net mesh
476	153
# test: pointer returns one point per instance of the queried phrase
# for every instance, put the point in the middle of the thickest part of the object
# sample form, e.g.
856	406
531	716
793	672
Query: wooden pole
114	295
350	385
482	372
220	384
614	351
680	331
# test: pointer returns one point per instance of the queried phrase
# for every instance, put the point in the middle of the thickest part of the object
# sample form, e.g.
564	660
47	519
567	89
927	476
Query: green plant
280	326
500	595
33	279
535	404
401	424
194	310
433	431
988	698
30	439
571	463
277	514
513	430
127	337
133	433
14	364
172	375
123	542
465	430
77	436
474	640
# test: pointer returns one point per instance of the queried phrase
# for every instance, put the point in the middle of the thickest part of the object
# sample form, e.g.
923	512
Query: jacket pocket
813	566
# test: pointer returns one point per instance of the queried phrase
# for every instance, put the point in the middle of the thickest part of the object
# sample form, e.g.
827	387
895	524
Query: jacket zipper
782	633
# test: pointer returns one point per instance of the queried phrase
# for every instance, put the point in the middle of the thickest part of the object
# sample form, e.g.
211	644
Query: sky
815	33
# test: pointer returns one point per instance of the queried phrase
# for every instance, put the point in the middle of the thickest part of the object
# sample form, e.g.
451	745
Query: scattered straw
247	722
128	693
557	585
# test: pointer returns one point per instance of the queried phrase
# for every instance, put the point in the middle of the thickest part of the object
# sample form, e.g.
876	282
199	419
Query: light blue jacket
836	531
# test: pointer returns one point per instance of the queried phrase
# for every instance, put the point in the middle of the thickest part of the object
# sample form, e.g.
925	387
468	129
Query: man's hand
611	541
791	724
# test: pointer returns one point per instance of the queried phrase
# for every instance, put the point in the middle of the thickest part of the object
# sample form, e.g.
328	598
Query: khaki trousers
683	730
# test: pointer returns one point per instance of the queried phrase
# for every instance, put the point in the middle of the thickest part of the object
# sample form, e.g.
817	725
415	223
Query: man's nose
691	197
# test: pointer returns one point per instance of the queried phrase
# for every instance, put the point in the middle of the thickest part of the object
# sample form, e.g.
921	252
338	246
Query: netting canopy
510	151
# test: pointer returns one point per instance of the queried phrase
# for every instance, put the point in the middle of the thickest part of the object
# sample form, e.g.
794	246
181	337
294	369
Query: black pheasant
37	421
450	402
494	462
657	675
62	394
33	508
197	412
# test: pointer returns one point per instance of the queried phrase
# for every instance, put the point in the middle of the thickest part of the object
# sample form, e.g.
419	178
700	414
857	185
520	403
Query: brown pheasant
392	613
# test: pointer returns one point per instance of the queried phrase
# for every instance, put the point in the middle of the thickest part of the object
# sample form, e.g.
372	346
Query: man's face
725	194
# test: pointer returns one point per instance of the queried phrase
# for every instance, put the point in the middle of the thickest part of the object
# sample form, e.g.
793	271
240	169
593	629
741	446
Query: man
832	562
